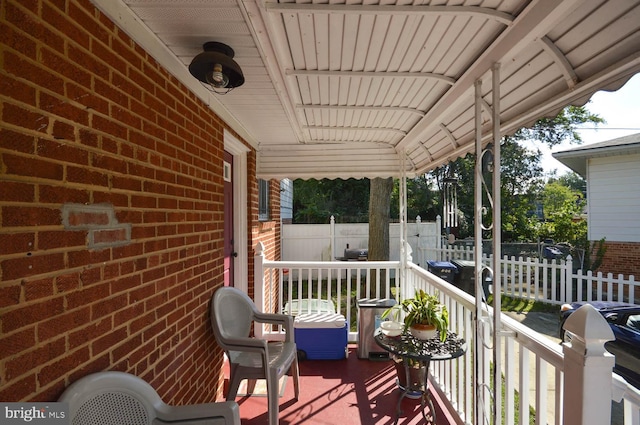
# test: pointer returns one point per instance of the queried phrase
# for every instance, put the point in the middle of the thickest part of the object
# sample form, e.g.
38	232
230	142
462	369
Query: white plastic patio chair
232	315
117	398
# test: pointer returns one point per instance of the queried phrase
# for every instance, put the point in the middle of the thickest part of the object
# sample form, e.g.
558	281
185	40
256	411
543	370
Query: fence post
258	283
568	270
587	369
419	249
332	238
439	245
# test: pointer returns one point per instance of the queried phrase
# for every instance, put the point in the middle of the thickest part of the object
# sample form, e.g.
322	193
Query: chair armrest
277	319
245	344
201	413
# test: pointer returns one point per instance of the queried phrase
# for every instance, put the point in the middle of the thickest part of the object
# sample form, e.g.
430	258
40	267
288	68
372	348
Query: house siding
111	211
613	205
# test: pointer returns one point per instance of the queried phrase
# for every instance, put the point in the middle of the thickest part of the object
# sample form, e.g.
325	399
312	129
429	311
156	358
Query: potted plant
421	311
424	316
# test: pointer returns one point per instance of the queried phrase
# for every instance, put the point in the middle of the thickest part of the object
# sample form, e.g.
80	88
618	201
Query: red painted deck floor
340	392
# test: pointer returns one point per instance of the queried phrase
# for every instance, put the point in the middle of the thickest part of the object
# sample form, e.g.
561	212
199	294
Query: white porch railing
533	365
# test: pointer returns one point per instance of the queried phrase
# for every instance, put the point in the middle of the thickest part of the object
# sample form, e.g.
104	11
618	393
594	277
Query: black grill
355	255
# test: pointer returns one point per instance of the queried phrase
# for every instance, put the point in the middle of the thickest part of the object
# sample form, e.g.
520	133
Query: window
263	200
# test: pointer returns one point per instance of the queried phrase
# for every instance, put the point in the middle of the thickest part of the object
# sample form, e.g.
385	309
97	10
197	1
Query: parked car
624	320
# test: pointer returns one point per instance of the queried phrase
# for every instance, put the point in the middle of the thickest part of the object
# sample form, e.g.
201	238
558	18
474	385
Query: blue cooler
321	336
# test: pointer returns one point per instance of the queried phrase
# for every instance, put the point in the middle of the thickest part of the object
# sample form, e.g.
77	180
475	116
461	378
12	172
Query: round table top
405	345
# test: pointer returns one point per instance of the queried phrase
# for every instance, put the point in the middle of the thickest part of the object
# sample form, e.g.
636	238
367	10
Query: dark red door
229	252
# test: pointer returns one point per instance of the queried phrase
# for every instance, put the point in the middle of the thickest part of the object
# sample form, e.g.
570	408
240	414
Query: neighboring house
612	171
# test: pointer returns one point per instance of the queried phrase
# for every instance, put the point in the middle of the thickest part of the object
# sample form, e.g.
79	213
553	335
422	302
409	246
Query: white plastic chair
232	315
117	398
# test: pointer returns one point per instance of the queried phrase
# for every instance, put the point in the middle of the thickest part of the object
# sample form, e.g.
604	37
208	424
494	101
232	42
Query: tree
315	201
573	181
522	177
557	197
379	210
423	198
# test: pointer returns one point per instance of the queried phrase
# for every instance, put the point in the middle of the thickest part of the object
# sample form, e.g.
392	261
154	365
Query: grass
520	305
508	303
322	288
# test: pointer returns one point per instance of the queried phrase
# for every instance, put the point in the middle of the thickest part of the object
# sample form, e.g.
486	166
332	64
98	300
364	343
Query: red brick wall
110	210
621	258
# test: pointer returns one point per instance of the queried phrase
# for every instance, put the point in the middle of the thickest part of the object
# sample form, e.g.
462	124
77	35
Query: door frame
240	231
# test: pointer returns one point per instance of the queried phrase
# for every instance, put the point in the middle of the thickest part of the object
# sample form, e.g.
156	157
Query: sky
620	110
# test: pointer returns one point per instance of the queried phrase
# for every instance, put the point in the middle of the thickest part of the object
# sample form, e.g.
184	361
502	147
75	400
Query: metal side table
415	352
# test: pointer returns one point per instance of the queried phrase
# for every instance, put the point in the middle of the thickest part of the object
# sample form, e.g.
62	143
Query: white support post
587	369
258	283
497	246
482	395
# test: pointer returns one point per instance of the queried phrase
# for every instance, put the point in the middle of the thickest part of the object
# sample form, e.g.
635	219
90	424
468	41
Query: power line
608	128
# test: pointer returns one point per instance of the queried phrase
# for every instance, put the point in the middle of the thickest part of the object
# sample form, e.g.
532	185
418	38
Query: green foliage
589	262
315	201
522	178
553	131
557	197
573	181
563	213
423	199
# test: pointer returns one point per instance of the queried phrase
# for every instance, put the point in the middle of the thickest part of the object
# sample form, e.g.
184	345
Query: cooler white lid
319	320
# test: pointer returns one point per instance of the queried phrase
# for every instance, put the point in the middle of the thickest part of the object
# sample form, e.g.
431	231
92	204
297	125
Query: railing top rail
523	335
467	300
623	390
333	264
543	347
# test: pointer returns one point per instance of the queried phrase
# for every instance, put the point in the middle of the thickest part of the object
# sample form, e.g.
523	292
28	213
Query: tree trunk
379	211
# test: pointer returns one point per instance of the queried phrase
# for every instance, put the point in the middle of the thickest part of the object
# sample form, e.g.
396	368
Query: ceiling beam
560	60
367	129
532	23
362	108
373	74
346	9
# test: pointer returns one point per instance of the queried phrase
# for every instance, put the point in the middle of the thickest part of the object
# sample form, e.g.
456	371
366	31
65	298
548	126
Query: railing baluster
456	378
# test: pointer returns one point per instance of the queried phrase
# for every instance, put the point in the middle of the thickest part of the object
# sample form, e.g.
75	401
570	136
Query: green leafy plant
422	309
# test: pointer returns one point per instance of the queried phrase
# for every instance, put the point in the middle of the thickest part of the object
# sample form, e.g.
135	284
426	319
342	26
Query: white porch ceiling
346	88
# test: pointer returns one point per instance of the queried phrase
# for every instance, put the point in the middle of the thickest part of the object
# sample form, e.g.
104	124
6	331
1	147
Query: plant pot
417	377
423	332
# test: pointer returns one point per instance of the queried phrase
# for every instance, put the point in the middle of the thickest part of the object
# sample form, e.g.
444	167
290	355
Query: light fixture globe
216	68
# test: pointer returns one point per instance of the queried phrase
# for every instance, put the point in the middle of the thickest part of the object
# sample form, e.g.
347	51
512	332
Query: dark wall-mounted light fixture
216	68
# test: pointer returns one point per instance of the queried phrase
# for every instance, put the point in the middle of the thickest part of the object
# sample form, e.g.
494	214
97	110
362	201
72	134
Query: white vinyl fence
327	242
540	279
552	281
